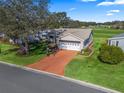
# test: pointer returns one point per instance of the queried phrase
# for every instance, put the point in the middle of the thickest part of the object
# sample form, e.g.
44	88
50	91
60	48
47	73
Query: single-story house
75	39
117	40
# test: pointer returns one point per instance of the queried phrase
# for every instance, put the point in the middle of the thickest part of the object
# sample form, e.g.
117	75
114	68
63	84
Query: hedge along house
76	39
117	40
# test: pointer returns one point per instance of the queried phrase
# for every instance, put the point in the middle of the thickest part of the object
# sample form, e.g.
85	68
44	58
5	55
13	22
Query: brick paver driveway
55	63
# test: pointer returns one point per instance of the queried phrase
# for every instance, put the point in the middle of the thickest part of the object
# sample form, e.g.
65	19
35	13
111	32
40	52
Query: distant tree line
113	24
61	20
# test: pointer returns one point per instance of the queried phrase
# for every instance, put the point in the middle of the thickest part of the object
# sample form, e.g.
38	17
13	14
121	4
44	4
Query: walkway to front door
55	63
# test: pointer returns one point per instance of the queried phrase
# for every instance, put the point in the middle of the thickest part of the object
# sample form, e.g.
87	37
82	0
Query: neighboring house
76	39
117	40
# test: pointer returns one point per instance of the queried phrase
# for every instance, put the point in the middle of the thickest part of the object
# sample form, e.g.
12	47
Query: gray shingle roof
80	33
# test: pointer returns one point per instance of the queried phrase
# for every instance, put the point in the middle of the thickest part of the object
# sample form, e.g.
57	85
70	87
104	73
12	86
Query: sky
90	10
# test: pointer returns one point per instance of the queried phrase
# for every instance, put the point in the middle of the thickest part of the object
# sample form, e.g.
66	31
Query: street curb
82	83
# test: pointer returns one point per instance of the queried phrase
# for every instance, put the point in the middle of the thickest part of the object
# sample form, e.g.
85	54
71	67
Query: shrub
38	48
111	54
86	51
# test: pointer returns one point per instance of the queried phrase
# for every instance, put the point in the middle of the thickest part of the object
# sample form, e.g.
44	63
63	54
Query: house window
117	42
113	43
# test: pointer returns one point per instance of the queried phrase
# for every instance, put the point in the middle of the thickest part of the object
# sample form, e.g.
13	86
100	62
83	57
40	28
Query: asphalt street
17	80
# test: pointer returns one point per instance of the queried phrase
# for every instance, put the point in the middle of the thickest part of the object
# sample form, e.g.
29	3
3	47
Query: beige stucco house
75	39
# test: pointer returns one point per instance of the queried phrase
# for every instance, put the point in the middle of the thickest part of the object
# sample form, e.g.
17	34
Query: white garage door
70	46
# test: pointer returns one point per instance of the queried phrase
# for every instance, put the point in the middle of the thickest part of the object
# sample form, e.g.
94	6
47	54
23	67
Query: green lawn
11	57
92	70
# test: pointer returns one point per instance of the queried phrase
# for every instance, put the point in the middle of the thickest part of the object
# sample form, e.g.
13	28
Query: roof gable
70	37
82	34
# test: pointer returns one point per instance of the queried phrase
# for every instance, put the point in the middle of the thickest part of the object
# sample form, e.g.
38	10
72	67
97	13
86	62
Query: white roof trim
116	38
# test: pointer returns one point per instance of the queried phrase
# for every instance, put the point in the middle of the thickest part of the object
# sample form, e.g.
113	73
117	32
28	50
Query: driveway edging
82	83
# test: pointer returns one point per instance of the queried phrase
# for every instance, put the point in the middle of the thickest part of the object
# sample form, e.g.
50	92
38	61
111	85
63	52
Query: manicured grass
92	70
11	57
